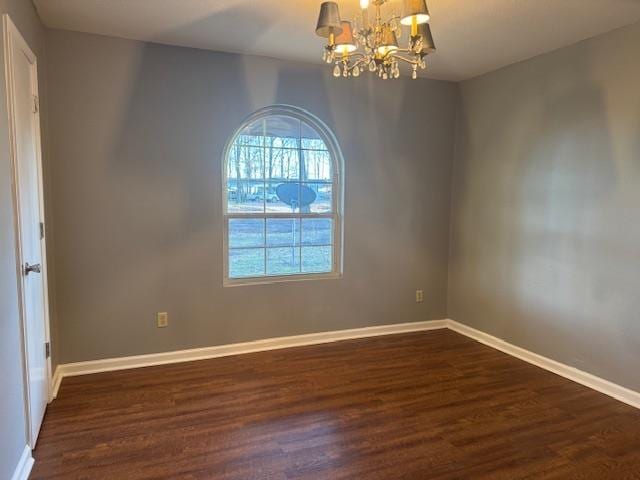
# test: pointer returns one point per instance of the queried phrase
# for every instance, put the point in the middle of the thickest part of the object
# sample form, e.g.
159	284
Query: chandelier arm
357	63
350	55
394	54
405	59
403	50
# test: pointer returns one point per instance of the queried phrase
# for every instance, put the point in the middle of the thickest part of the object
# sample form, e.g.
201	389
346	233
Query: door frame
11	36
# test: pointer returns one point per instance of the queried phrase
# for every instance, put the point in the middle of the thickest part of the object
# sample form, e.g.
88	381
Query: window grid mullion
320	150
283	246
264	190
301	161
252	215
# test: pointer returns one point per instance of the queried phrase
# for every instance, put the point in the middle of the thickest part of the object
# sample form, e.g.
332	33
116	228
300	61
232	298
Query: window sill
239	282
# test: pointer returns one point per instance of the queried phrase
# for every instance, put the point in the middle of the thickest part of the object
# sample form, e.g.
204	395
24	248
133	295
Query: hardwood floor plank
429	405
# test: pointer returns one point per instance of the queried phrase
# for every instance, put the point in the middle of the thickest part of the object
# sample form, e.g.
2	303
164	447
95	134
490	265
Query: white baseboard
618	392
122	363
23	469
623	394
56	381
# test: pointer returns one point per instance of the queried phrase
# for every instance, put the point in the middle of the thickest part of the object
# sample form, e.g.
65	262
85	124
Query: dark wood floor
432	405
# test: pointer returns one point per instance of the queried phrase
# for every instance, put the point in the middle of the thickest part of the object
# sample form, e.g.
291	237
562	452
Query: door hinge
47	349
36	104
41	230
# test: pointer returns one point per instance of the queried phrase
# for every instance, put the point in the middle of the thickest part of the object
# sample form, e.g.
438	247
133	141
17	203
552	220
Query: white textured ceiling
472	36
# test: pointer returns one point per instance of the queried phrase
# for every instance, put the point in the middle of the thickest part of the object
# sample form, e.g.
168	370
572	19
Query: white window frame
337	197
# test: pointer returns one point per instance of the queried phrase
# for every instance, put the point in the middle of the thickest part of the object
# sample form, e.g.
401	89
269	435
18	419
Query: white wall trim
25	464
623	394
618	392
56	381
137	361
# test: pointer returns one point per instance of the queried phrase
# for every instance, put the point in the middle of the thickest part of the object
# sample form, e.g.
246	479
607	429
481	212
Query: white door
22	83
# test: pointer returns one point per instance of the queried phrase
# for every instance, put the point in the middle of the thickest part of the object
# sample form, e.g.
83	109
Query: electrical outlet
162	319
419	296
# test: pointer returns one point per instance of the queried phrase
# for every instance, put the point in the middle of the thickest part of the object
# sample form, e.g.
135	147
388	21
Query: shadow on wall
147	214
227	12
569	178
165	176
636	135
214	100
534	227
176	149
167	184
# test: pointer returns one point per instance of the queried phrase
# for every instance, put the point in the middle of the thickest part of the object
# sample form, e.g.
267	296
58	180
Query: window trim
337	199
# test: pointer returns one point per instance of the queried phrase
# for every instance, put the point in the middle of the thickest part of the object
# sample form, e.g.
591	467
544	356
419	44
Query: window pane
249	140
282	196
283	232
282	131
246	262
252	134
246	232
245	179
316	166
282	164
282	167
283	260
322	202
311	139
317	259
317	231
245	196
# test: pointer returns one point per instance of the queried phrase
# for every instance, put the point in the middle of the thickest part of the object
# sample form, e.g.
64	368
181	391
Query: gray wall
138	132
545	237
12	412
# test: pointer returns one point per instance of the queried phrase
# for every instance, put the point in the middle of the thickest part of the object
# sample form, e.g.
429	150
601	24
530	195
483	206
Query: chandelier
372	46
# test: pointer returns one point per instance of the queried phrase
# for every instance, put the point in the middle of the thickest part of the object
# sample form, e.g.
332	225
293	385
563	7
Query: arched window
282	199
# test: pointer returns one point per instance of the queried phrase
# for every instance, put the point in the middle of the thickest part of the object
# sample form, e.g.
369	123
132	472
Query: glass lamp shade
388	43
417	9
328	20
344	41
428	45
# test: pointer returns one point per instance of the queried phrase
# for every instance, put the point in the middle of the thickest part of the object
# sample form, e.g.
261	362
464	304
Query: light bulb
364	4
